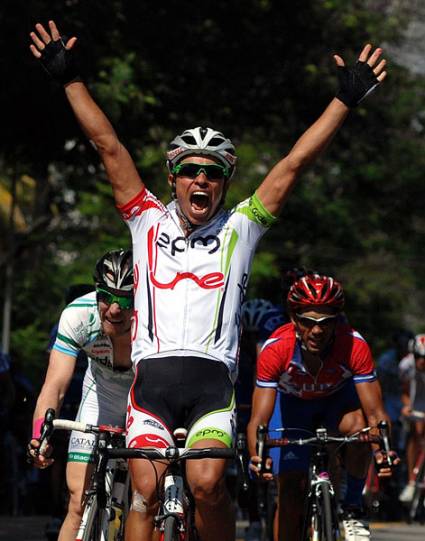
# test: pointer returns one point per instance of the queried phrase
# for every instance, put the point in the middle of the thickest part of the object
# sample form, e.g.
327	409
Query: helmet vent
189	140
216	141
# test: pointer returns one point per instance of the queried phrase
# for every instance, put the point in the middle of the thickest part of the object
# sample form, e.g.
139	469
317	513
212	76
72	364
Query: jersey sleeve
254	220
141	211
75	329
269	365
362	364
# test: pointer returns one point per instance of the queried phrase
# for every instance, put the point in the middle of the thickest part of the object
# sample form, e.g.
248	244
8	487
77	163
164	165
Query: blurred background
261	71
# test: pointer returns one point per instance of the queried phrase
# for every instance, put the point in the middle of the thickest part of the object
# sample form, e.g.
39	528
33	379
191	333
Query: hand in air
360	80
56	55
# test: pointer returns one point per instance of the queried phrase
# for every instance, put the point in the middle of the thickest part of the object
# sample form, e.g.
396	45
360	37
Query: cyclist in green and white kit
98	323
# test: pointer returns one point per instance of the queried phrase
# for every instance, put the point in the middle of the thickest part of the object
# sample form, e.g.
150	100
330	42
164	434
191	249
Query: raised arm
58	59
355	84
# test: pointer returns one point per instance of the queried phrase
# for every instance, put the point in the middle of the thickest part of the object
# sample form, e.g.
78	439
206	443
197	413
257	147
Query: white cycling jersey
189	290
105	391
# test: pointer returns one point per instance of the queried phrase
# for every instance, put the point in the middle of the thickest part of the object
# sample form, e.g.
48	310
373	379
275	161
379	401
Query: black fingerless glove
59	62
355	83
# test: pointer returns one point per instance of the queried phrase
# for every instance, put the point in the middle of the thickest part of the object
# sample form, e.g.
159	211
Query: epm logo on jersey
180	244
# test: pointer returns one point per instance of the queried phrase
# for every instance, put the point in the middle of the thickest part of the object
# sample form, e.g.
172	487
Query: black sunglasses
213	171
312	321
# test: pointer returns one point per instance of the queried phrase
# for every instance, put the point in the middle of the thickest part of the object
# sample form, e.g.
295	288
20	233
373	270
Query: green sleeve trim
67	340
257	212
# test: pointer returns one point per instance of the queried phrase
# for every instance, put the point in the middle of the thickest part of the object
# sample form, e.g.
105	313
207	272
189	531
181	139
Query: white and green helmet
204	142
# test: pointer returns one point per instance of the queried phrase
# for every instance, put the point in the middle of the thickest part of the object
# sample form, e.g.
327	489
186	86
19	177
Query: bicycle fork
316	496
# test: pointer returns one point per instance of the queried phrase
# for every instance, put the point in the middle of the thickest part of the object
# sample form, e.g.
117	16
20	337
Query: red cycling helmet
316	290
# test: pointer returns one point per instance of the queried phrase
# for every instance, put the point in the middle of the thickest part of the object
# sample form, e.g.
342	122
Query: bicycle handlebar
322	438
50	424
173	453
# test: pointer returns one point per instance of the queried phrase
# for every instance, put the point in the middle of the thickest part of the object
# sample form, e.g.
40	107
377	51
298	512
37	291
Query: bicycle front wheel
170	529
94	524
327	530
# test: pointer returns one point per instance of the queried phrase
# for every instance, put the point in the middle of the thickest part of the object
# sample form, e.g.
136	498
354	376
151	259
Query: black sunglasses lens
192	170
189	170
104	296
214	172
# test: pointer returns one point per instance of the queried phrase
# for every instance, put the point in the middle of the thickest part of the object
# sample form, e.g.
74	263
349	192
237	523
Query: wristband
36	428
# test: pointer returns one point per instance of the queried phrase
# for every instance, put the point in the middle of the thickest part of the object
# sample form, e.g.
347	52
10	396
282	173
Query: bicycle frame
106	497
176	511
321	520
320	488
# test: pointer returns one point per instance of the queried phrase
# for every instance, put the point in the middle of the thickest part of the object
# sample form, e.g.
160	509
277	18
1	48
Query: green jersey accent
256	211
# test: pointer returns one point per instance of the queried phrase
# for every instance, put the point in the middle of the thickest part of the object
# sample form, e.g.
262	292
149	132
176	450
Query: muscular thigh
78	475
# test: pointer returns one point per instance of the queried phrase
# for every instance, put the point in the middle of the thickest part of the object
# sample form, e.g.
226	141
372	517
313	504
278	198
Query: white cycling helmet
417	345
204	142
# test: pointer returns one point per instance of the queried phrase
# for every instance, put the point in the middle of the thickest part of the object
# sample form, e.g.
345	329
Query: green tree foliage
261	71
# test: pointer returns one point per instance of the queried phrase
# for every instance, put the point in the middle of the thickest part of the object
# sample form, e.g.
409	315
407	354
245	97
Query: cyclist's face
199	197
315	334
115	321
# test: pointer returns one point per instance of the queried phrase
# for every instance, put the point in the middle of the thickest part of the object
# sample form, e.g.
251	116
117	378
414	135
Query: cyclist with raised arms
98	323
317	370
192	262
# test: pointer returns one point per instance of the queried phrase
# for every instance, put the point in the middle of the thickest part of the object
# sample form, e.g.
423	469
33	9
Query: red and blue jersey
280	364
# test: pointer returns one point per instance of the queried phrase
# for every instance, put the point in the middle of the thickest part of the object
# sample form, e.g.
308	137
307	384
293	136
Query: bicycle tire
326	529
170	529
93	528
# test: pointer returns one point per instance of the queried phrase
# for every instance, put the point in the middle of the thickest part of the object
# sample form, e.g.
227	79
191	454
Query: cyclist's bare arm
279	183
120	168
58	378
370	396
263	401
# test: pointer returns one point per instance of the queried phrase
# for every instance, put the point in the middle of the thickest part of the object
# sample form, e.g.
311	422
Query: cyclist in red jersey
197	247
324	372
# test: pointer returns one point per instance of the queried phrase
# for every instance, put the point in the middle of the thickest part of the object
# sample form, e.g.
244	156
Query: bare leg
77	478
139	525
291	505
215	516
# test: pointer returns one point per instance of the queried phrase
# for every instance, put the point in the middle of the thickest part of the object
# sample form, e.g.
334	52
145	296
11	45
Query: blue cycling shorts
291	411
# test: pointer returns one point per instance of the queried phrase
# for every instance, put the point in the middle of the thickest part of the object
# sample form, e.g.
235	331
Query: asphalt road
32	529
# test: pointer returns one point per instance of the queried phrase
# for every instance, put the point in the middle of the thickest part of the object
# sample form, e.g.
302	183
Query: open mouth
199	201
